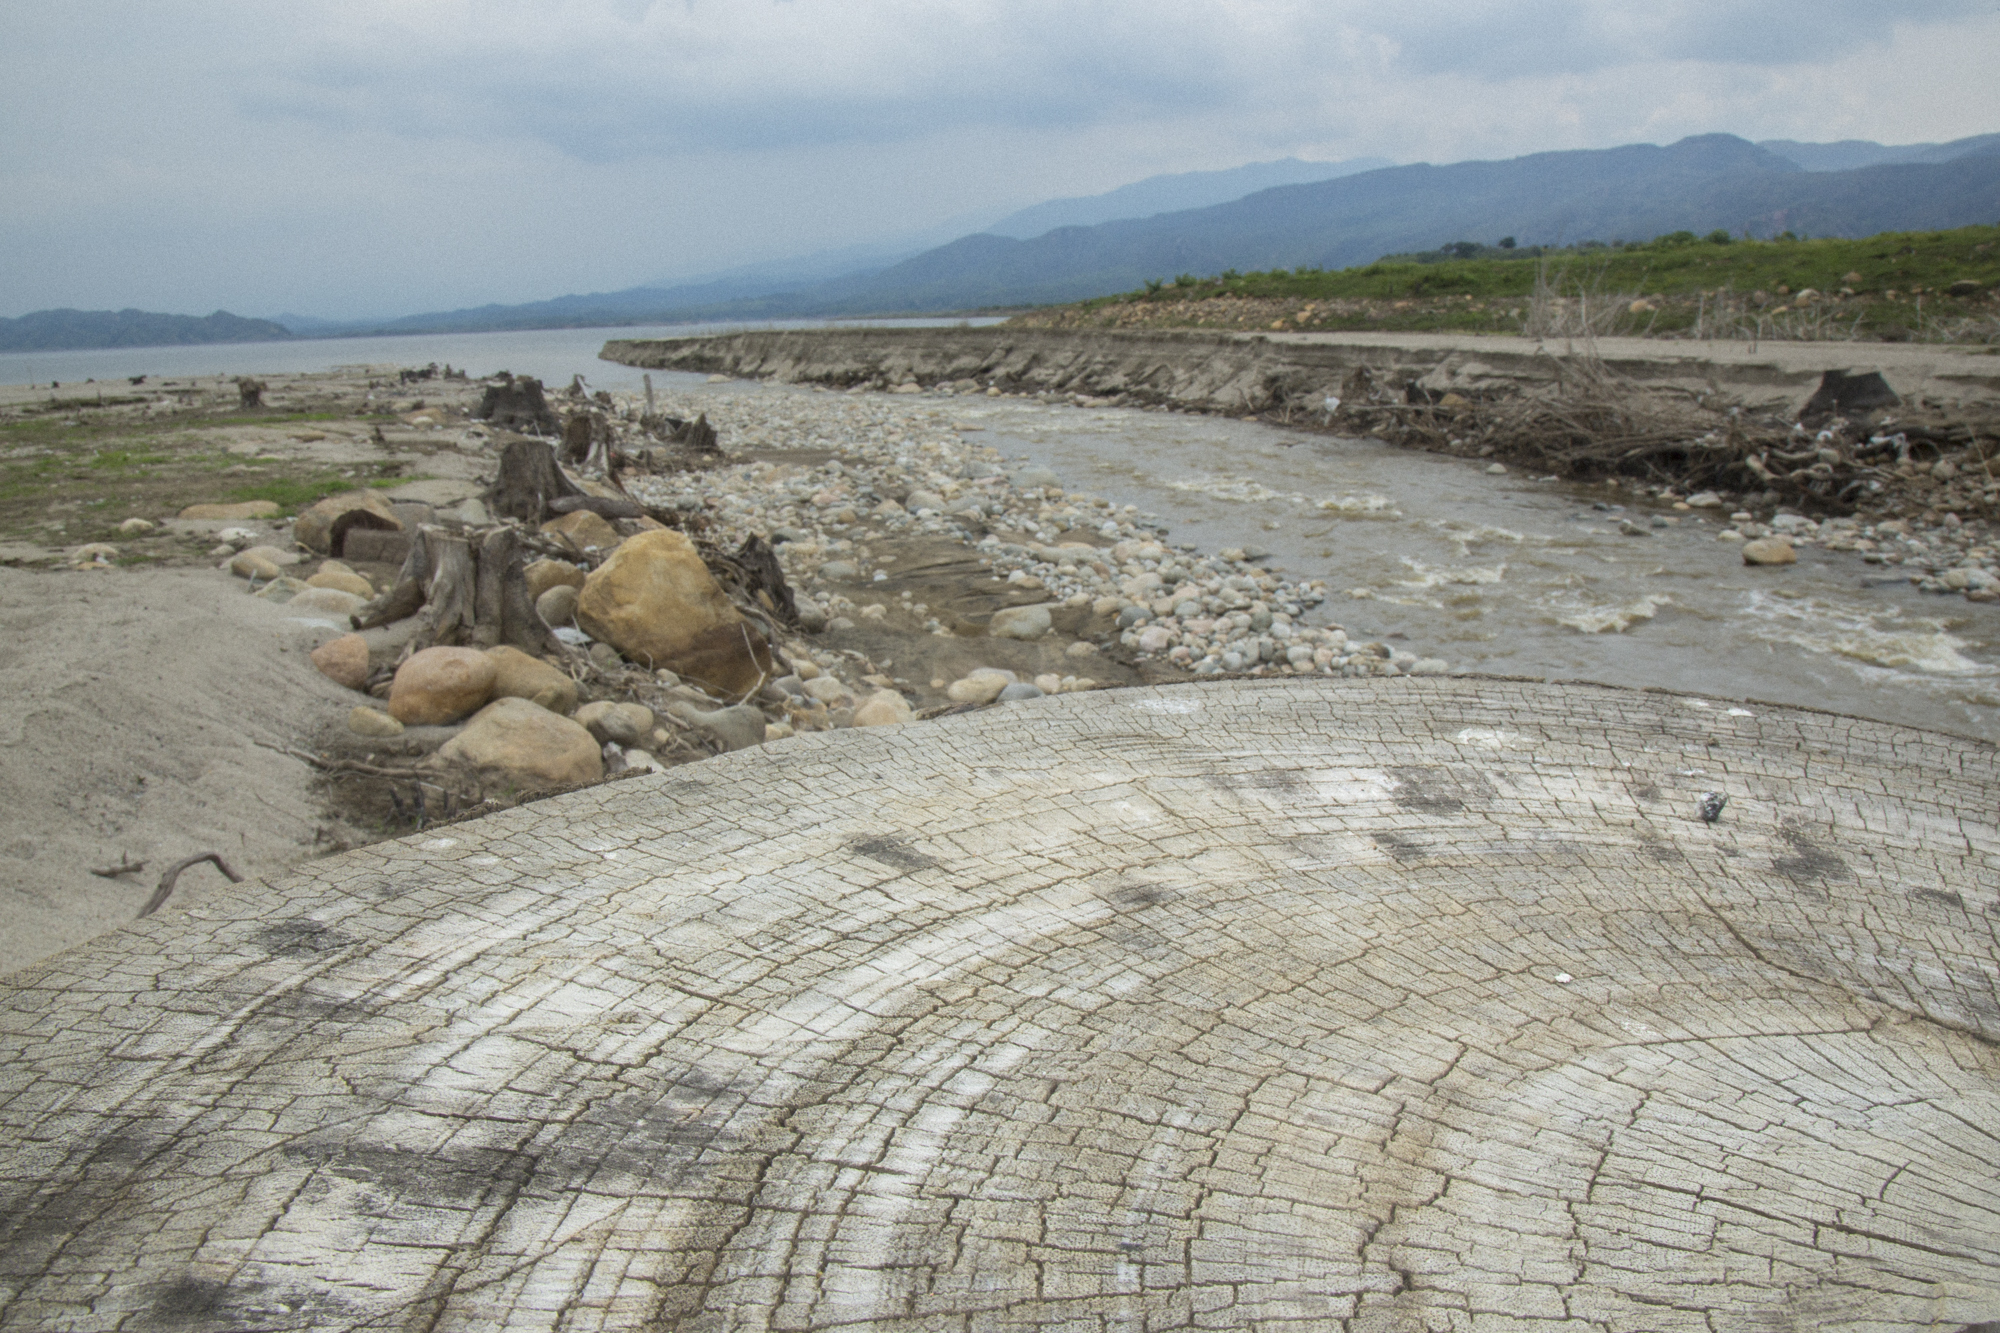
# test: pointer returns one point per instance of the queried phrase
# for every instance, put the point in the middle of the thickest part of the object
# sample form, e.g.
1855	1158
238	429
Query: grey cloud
619	80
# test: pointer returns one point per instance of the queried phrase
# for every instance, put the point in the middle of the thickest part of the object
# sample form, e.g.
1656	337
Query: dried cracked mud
1416	1004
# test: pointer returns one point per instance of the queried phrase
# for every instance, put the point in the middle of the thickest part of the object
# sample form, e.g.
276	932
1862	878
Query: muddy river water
1517	576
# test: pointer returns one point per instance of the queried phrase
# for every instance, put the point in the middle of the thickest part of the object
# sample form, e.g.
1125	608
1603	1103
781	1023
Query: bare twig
126	866
159	897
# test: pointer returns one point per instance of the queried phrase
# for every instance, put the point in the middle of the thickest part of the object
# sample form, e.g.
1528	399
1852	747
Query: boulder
545	574
261	562
623	724
342	580
884	708
439	685
736	728
314	528
655	602
516	675
344	661
1020	622
522	745
373	722
133	527
981	687
1769	551
557	606
583	531
280	590
247	509
327	601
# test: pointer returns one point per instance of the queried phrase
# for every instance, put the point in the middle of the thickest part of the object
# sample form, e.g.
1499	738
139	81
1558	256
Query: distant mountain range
1635	192
1173	194
1632	193
1849	154
58	330
1284	214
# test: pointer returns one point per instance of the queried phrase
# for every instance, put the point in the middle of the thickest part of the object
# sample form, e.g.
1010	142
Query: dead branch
159	898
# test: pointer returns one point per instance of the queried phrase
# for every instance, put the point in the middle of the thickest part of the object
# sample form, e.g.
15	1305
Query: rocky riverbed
931	574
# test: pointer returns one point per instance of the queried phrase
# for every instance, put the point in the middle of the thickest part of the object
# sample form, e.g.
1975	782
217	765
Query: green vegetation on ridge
1877	286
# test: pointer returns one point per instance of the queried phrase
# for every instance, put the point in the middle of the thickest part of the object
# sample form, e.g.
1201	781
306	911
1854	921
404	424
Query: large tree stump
471	590
527	481
516	403
1306	1003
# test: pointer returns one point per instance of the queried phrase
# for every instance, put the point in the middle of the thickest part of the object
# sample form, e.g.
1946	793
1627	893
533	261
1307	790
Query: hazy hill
1173	194
1849	154
58	330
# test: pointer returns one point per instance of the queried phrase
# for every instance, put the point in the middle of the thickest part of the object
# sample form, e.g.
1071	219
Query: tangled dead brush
1591	424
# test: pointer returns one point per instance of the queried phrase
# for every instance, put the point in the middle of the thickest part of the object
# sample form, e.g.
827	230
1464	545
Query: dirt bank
1266	372
146	714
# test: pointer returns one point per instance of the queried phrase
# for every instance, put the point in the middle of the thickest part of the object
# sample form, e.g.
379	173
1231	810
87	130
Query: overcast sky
380	157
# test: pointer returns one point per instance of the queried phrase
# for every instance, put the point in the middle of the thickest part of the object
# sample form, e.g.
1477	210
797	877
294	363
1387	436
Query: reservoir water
1506	575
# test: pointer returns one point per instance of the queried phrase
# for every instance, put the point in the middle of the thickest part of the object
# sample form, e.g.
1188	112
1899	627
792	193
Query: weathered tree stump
470	589
527	481
516	403
1375	1005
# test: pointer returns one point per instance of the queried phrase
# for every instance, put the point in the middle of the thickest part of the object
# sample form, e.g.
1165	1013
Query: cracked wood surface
1304	1004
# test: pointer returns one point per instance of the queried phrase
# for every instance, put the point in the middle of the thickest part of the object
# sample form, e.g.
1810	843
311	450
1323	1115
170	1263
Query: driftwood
604	506
159	898
762	579
353	519
472	591
527	482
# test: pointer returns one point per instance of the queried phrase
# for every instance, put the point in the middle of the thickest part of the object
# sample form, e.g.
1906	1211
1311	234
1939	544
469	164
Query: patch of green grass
292	494
124	460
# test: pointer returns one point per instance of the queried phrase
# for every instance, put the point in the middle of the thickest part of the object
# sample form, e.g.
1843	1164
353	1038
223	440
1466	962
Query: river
1510	575
1496	574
